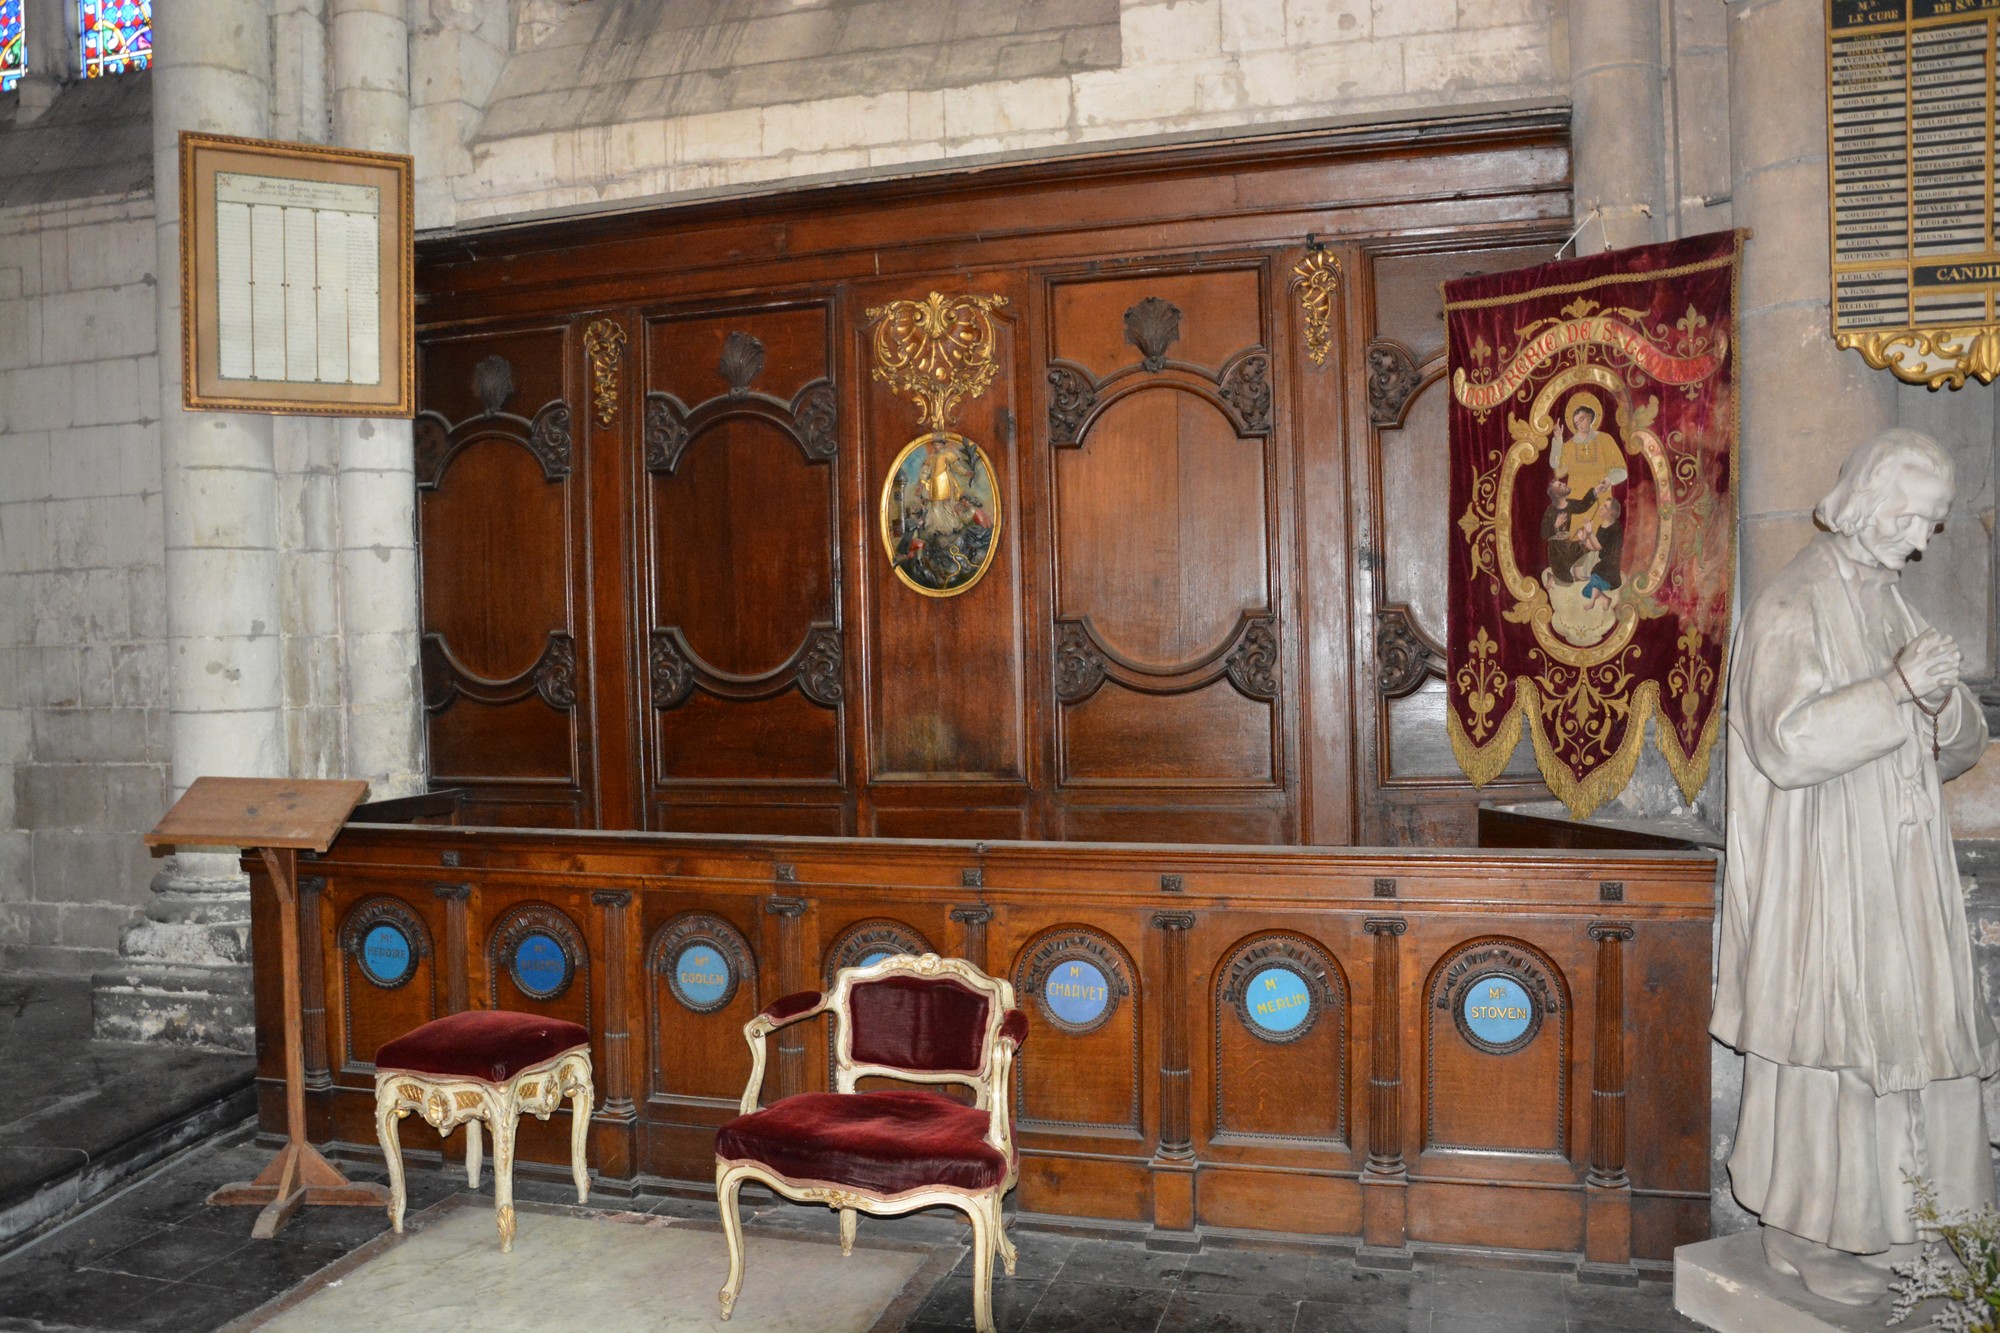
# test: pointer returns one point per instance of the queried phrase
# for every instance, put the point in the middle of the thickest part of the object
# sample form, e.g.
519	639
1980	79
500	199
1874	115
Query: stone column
1618	125
184	973
370	41
1805	403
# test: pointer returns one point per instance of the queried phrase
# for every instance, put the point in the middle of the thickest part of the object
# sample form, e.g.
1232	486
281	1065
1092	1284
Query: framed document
1911	112
296	279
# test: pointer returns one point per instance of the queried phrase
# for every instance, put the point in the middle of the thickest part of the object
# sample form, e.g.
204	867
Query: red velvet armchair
920	1020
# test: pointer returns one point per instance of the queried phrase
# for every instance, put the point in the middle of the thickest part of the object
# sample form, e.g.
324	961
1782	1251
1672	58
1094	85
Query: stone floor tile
950	1302
1484	1292
188	1307
1122	1263
1343	1282
269	1266
55	1293
172	1253
1216	1312
1068	1307
1360	1317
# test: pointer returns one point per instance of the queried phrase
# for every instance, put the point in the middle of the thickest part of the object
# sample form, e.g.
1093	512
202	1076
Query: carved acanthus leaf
1253	663
1246	387
820	673
1153	326
666	432
1079	666
1405	657
548	437
937	352
671	674
555	674
816	418
1072	395
1392	377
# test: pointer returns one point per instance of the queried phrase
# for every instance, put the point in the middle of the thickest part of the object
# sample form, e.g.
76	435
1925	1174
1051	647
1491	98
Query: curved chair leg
580	1099
848	1218
387	1118
982	1265
1001	1240
729	1184
472	1153
503	1117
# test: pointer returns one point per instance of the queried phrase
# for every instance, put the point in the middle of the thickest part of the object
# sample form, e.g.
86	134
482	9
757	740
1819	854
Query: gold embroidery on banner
604	342
1608	280
1317	278
1935	358
937	352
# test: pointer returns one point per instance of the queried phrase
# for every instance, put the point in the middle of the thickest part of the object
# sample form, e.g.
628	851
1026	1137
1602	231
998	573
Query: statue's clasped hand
1927	669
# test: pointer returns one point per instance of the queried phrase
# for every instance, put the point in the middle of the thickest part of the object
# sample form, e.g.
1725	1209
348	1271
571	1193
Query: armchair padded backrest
917	1023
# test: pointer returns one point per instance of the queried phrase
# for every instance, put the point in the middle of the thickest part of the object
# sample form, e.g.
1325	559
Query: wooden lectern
274	817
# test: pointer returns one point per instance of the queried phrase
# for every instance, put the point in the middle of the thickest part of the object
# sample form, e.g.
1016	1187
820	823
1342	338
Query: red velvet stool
490	1065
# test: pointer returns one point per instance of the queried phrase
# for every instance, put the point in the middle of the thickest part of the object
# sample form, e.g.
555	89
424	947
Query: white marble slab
605	1273
1724	1284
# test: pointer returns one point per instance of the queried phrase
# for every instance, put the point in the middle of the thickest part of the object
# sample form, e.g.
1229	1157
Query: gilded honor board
1910	127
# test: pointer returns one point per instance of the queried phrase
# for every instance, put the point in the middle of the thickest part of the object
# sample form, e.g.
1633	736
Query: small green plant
1960	1265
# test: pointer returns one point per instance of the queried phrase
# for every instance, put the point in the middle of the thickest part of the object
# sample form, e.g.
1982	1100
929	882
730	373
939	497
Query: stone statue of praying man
1845	975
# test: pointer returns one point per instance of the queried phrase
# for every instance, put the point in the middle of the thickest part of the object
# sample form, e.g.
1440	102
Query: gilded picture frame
940	514
297	278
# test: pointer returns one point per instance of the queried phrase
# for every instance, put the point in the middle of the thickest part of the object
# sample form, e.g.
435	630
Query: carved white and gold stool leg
472	1153
729	1184
502	1117
1008	1256
848	1218
581	1097
388	1117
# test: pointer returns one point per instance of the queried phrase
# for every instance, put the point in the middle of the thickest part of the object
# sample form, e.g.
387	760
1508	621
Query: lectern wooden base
297	1176
276	817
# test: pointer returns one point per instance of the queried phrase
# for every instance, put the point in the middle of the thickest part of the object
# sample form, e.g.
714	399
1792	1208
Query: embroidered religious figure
1593	432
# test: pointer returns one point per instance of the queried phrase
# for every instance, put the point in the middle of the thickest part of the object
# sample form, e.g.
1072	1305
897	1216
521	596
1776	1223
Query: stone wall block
79	606
872	27
90	735
135	796
381	590
1793	441
1787	259
17	867
36	398
384	669
811	127
51	797
98	323
1177	30
725	135
24	543
1790	45
113	254
115	392
139	675
249	743
21	332
1390	18
228	674
221	509
1252	25
1456	64
1032	104
24	468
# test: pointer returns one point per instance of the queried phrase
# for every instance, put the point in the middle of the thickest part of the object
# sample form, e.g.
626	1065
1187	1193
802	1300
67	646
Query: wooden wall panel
1169	1112
1198	509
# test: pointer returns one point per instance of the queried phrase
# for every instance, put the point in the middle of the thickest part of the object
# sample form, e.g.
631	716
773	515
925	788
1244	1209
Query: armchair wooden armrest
785	1009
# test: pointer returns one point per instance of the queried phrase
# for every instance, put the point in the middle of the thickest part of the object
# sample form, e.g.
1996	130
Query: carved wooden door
500	513
1410	790
739	571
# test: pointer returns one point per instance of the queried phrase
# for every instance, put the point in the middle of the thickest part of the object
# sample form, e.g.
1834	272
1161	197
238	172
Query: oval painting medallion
940	514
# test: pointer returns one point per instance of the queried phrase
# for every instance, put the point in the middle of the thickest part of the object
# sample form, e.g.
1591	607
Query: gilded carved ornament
937	352
604	343
1316	279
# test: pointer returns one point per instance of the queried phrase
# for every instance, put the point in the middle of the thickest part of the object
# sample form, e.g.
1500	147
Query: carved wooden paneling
1374	1115
497	462
372	1012
745	657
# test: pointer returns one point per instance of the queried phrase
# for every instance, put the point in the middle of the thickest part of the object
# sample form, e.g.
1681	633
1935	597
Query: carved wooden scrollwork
1325	987
1153	326
1405	656
1245	384
1240	389
1394	376
1248	657
862	940
1072	395
811	419
535	919
820	675
817	667
1253	663
553	676
546	435
1079	666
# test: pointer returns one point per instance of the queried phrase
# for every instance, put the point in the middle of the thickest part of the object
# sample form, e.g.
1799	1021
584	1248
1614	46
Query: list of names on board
298	280
1911	106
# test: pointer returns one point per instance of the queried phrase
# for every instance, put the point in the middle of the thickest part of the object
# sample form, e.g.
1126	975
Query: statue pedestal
1724	1284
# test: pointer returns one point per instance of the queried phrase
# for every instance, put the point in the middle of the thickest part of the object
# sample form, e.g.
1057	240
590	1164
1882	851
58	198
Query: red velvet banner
1593	484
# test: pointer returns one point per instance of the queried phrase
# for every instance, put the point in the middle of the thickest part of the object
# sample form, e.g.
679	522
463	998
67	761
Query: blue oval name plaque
1498	1011
541	968
385	955
1077	993
1278	1000
702	977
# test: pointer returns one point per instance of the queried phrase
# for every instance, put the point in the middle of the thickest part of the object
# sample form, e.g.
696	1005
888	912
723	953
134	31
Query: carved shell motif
493	382
742	360
1153	326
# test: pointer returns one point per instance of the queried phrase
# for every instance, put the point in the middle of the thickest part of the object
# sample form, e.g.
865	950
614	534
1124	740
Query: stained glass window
117	35
13	45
